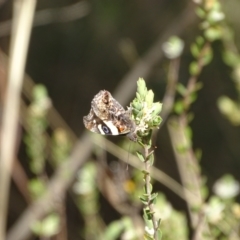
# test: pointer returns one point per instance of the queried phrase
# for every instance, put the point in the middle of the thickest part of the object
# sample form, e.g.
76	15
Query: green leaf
141	88
39	92
157	106
200	12
36	187
149	215
188	132
139	115
183	148
153	196
213	34
226	105
50	225
231	59
195	50
207	58
181	89
114	230
159	233
140	156
136	105
156	121
140	143
47	227
193	97
144	200
179	107
138	96
200	41
151	159
194	68
147	236
145	172
149	154
147	140
146	214
149	98
145	188
159	222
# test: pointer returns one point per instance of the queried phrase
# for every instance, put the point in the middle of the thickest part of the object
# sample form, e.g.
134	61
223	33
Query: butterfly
108	117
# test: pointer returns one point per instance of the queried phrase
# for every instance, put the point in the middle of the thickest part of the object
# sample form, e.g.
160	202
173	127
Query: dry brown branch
187	162
23	16
169	95
188	167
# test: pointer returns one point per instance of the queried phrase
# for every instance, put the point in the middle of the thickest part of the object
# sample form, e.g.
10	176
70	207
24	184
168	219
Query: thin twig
18	52
186	163
186	160
147	178
199	226
168	99
169	96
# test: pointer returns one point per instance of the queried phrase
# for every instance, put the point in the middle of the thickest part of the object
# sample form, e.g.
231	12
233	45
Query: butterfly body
108	117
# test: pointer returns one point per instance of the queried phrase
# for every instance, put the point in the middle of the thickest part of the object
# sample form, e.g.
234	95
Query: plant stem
148	190
22	22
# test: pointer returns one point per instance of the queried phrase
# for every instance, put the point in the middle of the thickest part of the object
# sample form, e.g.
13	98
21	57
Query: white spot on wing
113	129
100	129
